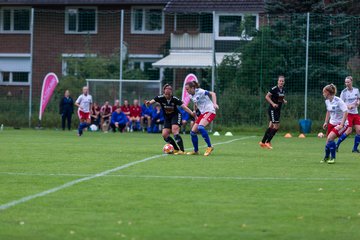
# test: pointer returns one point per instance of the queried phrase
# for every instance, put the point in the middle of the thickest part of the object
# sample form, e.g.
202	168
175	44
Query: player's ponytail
331	89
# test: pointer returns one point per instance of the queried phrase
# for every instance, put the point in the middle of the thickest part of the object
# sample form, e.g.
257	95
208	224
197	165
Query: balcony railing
191	41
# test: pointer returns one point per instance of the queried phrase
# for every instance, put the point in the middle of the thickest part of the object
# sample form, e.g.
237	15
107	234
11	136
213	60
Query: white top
336	107
202	101
350	97
84	102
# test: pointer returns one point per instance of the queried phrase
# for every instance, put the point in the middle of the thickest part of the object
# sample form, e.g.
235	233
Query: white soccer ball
320	135
168	148
93	128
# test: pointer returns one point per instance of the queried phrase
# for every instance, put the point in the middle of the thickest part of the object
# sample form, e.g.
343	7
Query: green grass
238	192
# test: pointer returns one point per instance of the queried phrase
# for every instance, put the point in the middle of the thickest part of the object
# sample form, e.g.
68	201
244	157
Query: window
144	62
14	78
71	63
15	20
147	20
14	69
81	20
229	26
235	27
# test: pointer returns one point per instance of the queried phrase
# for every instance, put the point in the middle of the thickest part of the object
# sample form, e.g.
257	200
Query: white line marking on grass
184	177
69	184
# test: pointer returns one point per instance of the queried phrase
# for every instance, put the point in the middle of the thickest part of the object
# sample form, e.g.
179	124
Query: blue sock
195	141
138	125
81	127
205	135
341	138
332	146
356	142
327	150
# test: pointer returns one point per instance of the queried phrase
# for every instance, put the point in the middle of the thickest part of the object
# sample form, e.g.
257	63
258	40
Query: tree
279	47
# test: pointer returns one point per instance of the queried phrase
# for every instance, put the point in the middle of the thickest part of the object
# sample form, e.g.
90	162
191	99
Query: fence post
307	63
121	54
31	63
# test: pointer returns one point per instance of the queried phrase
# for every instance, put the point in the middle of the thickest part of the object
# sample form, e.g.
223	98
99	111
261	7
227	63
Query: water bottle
2	127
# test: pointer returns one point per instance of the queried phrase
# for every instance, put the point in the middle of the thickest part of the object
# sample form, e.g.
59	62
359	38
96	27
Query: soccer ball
168	148
93	128
320	135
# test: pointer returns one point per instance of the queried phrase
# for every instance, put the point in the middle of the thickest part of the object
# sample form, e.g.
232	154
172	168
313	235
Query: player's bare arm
326	120
341	125
188	110
78	105
268	98
148	103
214	100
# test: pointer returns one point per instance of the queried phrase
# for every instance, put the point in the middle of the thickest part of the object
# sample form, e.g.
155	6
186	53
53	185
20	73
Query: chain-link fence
239	56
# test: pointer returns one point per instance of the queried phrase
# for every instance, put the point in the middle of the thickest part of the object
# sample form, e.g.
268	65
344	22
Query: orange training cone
301	135
288	135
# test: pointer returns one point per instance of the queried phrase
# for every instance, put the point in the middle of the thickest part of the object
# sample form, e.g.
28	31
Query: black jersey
170	107
277	95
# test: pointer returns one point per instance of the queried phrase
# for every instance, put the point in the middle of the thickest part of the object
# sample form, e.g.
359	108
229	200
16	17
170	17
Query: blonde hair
330	88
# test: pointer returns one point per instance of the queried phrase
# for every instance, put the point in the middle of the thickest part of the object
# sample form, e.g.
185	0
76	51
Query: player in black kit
276	97
172	123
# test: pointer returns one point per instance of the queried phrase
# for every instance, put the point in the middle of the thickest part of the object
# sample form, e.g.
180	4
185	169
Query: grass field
55	185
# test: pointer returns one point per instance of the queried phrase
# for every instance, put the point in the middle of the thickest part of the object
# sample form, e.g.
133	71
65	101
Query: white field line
182	177
87	178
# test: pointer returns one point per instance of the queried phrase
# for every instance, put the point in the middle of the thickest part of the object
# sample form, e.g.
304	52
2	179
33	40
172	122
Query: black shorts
172	120
274	115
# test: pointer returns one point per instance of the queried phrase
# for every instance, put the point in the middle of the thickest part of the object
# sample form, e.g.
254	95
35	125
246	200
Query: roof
189	60
196	6
80	2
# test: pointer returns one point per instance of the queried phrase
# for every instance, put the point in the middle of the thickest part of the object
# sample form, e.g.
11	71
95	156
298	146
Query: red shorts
331	128
208	116
353	119
83	115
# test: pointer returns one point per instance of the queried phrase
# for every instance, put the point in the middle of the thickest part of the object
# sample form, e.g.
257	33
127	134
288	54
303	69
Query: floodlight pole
121	54
31	63
213	64
307	63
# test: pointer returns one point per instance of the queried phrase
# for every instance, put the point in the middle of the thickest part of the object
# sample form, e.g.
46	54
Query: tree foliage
279	47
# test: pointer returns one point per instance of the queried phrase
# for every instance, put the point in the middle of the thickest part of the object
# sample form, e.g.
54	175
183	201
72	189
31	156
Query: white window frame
12	31
143	31
67	31
11	79
217	25
66	56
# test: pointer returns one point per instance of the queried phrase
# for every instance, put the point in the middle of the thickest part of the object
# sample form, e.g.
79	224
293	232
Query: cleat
192	153
208	151
179	152
331	161
268	145
263	145
355	151
324	160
